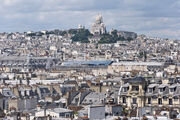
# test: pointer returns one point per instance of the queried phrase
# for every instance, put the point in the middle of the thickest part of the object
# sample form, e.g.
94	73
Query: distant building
98	27
132	93
81	26
127	34
22	104
57	113
163	95
60	113
96	112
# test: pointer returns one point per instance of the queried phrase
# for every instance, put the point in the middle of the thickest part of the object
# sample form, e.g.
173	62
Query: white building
56	113
98	27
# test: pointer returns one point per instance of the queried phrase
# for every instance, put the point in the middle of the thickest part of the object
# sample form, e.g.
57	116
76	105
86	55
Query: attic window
162	89
150	90
172	89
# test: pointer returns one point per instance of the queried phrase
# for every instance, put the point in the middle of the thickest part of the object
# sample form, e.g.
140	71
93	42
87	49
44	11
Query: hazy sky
151	17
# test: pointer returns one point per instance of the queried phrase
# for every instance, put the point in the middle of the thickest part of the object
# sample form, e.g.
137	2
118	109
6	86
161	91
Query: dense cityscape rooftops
81	74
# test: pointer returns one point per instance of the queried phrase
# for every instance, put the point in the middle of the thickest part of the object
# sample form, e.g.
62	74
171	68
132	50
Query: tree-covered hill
81	35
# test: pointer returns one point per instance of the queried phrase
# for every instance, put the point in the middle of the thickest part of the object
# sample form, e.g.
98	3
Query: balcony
134	92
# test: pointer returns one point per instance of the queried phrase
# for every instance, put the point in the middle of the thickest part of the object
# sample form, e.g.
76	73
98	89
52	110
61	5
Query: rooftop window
150	90
162	89
172	89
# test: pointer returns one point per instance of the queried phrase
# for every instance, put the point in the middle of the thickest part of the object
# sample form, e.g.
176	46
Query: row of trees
82	36
112	38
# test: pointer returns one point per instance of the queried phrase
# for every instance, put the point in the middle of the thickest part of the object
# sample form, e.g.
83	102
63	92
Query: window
160	101
67	115
172	89
175	98
154	97
61	114
164	98
124	99
149	100
135	88
170	102
125	89
134	100
150	90
76	100
161	90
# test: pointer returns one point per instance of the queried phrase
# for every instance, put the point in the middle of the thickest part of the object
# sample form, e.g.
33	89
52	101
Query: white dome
99	18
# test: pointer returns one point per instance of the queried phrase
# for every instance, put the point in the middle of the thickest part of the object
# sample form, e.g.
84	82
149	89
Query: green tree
82	36
112	38
72	31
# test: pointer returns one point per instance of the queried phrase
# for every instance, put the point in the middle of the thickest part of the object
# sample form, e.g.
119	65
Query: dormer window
172	89
150	90
161	89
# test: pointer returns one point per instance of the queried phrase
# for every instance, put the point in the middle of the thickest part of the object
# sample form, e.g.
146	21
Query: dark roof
88	63
136	80
44	90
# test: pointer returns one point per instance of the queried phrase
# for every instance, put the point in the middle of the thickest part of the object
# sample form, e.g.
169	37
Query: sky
158	18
